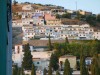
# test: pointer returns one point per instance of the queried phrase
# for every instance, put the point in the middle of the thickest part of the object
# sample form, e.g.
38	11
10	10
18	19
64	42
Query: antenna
76	5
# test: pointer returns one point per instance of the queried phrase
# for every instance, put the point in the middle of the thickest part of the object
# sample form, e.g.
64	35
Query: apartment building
71	59
81	12
49	16
28	32
27	21
51	20
96	35
27	7
69	11
39	51
25	13
78	32
53	31
43	11
17	23
40	59
58	11
38	19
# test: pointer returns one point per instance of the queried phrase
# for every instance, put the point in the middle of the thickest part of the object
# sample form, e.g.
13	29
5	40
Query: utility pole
76	5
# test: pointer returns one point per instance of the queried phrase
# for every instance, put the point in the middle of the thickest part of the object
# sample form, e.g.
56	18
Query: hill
93	19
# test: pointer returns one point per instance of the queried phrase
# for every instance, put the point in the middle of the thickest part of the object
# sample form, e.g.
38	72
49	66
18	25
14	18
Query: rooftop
43	42
68	56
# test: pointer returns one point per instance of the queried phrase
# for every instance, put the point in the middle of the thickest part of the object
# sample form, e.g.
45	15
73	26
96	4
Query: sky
87	5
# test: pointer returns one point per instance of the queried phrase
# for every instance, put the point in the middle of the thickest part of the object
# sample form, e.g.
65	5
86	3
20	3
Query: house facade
96	35
77	32
71	59
27	7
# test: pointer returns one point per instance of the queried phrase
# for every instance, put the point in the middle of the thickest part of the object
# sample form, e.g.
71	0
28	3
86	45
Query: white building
78	32
27	21
25	14
70	11
88	61
96	35
39	47
28	32
27	7
71	59
58	11
38	51
43	11
38	21
17	23
40	59
40	64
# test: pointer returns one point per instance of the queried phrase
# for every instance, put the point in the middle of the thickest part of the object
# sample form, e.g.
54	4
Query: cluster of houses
42	16
39	24
41	57
77	32
43	22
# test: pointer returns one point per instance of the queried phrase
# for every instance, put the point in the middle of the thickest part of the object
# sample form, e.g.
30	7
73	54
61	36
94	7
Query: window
18	50
50	30
37	62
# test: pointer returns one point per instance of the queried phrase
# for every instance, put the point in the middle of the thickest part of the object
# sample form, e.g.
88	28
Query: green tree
98	17
78	15
66	15
44	71
27	59
15	70
83	69
54	62
66	40
33	72
50	69
91	20
15	2
67	69
95	68
49	44
19	69
45	22
22	71
58	16
57	73
56	46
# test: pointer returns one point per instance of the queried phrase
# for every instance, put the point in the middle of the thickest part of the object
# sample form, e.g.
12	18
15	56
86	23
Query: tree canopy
83	69
27	59
95	66
67	69
33	72
54	62
49	43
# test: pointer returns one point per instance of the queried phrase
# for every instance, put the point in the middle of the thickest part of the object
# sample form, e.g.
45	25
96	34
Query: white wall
27	7
41	64
96	35
18	57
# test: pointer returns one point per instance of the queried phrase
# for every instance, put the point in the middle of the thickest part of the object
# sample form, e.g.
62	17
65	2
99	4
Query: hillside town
40	29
